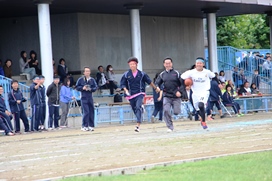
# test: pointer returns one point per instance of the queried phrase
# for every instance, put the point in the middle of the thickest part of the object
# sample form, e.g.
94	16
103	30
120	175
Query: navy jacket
35	96
3	107
215	91
62	72
172	83
81	82
135	85
227	98
13	96
42	92
157	95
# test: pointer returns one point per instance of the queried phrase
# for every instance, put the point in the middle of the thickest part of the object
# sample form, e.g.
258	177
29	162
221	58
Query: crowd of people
170	88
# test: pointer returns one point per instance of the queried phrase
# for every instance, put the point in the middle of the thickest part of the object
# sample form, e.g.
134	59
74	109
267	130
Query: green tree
243	31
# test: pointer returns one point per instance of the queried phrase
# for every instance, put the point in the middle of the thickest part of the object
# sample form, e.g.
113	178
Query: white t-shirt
201	79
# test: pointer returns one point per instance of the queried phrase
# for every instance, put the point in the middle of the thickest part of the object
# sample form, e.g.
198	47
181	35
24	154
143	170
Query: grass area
246	167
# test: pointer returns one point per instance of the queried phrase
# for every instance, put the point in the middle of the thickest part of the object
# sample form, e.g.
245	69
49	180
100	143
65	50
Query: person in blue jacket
65	97
43	103
35	102
133	82
4	113
16	99
87	85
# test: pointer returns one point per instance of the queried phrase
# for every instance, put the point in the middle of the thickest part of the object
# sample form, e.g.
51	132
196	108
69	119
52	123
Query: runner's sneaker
169	131
84	129
241	114
153	119
204	125
49	129
137	129
91	129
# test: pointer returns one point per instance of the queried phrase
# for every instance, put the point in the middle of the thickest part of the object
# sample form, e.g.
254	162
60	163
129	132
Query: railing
6	83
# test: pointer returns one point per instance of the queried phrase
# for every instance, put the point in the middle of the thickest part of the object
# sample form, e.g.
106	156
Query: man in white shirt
200	88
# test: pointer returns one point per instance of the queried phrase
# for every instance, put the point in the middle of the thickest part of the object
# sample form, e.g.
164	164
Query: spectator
228	101
267	67
254	89
34	62
4	113
101	78
222	77
187	96
24	65
35	101
1	69
215	94
241	78
233	92
158	104
87	85
43	102
7	68
65	98
245	89
256	79
111	78
7	130
16	100
256	102
52	93
222	87
63	72
235	77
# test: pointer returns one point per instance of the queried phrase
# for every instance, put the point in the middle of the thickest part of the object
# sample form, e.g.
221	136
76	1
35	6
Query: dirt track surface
71	151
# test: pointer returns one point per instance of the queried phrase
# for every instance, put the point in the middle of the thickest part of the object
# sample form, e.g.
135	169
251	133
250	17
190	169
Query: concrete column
269	14
45	43
212	38
136	45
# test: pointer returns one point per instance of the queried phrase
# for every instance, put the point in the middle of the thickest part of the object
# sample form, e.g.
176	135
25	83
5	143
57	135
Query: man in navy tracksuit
35	101
4	113
133	82
43	104
16	100
87	85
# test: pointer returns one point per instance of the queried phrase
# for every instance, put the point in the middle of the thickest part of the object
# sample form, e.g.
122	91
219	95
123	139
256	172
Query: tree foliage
244	31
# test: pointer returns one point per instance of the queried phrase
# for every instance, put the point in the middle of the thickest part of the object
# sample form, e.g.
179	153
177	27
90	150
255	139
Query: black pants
7	120
158	109
20	115
88	112
53	116
112	87
42	113
36	118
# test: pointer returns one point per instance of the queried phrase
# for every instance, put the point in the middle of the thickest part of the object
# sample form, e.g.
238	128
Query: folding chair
226	108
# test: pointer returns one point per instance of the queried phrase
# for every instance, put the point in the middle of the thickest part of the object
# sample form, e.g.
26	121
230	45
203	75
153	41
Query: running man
200	88
133	82
173	89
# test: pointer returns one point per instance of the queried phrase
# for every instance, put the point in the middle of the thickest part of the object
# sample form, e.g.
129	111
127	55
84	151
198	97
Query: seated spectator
1	69
7	68
4	113
101	78
227	100
229	82
222	87
245	89
7	130
222	77
254	89
34	62
267	67
63	72
111	78
24	65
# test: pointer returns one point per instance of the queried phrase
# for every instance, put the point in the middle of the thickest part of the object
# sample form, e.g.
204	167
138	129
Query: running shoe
91	129
153	119
204	125
137	129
